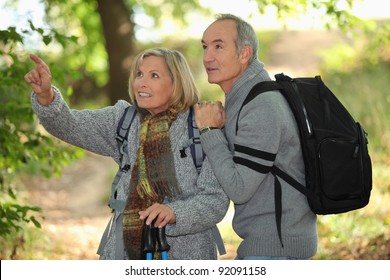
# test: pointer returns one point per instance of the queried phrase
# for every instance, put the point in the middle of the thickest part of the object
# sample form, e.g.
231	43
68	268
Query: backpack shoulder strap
121	137
125	122
255	91
260	88
197	152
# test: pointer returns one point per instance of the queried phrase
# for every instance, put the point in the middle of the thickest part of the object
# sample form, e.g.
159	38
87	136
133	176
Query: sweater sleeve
260	128
203	209
92	130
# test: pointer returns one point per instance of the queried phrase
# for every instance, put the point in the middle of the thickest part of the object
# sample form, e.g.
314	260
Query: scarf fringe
145	190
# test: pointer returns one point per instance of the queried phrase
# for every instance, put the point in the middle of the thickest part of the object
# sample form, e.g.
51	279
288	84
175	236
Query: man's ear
246	54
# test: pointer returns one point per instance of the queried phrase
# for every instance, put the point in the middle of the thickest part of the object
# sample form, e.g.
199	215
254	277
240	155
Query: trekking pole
149	236
163	245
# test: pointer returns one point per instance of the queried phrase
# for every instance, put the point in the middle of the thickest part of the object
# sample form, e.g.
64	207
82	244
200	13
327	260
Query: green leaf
47	39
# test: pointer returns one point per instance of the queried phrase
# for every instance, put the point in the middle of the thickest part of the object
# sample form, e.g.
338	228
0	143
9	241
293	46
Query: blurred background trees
89	46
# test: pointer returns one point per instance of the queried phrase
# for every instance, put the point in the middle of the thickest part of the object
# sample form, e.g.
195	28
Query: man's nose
208	56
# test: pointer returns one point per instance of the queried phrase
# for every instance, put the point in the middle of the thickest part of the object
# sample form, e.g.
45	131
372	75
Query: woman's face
153	85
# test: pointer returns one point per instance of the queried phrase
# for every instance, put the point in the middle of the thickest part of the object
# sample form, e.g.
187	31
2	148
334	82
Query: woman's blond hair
185	93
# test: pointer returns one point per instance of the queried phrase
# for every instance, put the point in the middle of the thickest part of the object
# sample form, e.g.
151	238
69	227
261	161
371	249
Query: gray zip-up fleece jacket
198	209
267	135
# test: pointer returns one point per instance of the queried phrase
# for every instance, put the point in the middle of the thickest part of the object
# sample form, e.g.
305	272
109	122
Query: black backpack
337	163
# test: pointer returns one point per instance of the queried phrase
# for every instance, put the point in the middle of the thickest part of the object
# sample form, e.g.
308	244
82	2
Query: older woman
161	187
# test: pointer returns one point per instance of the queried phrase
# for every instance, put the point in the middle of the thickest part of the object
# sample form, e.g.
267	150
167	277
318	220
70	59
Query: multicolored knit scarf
153	177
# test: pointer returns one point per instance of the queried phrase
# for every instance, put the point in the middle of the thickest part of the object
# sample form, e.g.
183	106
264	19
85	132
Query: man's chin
212	80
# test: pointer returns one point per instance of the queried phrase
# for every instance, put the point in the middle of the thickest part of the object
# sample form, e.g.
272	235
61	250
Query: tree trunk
119	36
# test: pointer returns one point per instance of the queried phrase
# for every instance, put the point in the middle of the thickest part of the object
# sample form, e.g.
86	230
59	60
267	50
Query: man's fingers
209	104
219	104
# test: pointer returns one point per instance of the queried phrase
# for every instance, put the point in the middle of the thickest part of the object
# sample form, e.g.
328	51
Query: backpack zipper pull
356	151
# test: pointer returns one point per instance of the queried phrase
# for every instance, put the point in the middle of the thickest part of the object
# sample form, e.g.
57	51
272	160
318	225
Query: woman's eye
154	75
139	74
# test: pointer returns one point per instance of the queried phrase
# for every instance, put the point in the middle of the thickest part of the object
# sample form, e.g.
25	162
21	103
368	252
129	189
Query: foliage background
89	63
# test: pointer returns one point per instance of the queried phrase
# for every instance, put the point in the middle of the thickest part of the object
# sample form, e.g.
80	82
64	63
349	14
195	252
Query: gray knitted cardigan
265	124
198	209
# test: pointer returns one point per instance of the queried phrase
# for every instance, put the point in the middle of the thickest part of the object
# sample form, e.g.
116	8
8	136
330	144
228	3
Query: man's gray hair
246	35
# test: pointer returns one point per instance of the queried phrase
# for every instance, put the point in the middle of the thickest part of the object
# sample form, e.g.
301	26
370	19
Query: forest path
74	206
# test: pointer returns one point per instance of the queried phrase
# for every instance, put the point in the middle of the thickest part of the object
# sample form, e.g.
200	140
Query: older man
267	135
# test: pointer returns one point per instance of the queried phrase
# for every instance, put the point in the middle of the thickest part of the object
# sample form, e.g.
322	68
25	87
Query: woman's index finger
37	60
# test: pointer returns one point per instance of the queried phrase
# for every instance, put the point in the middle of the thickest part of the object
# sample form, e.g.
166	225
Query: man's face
220	59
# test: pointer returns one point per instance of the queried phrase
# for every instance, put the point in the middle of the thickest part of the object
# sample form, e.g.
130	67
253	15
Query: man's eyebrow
214	41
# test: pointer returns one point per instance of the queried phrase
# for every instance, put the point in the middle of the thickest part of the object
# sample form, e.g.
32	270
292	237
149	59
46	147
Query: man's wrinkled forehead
220	31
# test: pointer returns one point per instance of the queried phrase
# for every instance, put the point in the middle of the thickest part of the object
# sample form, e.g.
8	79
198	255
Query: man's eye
218	47
204	47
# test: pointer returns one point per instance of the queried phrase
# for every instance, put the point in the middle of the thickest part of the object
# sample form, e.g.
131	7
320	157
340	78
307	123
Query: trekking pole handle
149	236
163	245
